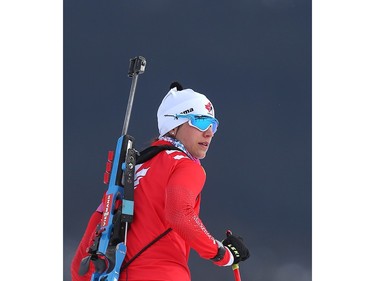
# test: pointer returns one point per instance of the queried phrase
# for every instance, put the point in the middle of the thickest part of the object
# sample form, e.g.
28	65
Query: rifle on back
108	250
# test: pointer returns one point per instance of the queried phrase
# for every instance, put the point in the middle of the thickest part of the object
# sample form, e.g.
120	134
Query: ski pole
236	272
235	267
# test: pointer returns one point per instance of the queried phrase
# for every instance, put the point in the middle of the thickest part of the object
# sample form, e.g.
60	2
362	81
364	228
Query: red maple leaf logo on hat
208	107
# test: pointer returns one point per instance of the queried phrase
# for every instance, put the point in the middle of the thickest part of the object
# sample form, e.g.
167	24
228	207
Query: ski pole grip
235	267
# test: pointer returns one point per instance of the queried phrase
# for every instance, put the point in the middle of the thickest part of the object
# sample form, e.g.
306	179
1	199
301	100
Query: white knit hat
181	102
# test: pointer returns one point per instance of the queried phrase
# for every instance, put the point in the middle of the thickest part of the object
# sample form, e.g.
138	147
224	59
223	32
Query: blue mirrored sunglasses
201	122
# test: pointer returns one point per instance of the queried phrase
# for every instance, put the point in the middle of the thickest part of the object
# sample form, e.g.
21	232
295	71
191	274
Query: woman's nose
208	132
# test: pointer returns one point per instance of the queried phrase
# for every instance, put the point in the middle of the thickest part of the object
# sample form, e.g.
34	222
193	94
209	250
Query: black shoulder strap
125	265
151	151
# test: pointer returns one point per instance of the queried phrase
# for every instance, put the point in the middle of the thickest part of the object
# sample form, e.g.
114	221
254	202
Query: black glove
237	247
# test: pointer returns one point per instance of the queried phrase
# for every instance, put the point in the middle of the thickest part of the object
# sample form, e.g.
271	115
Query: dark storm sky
253	61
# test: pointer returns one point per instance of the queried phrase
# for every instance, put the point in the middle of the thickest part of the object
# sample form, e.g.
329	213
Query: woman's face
195	141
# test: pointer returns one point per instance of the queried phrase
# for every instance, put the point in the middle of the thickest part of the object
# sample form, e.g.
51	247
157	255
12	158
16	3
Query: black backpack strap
151	151
125	265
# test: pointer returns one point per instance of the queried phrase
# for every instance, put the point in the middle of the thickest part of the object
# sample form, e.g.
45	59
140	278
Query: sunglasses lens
202	123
